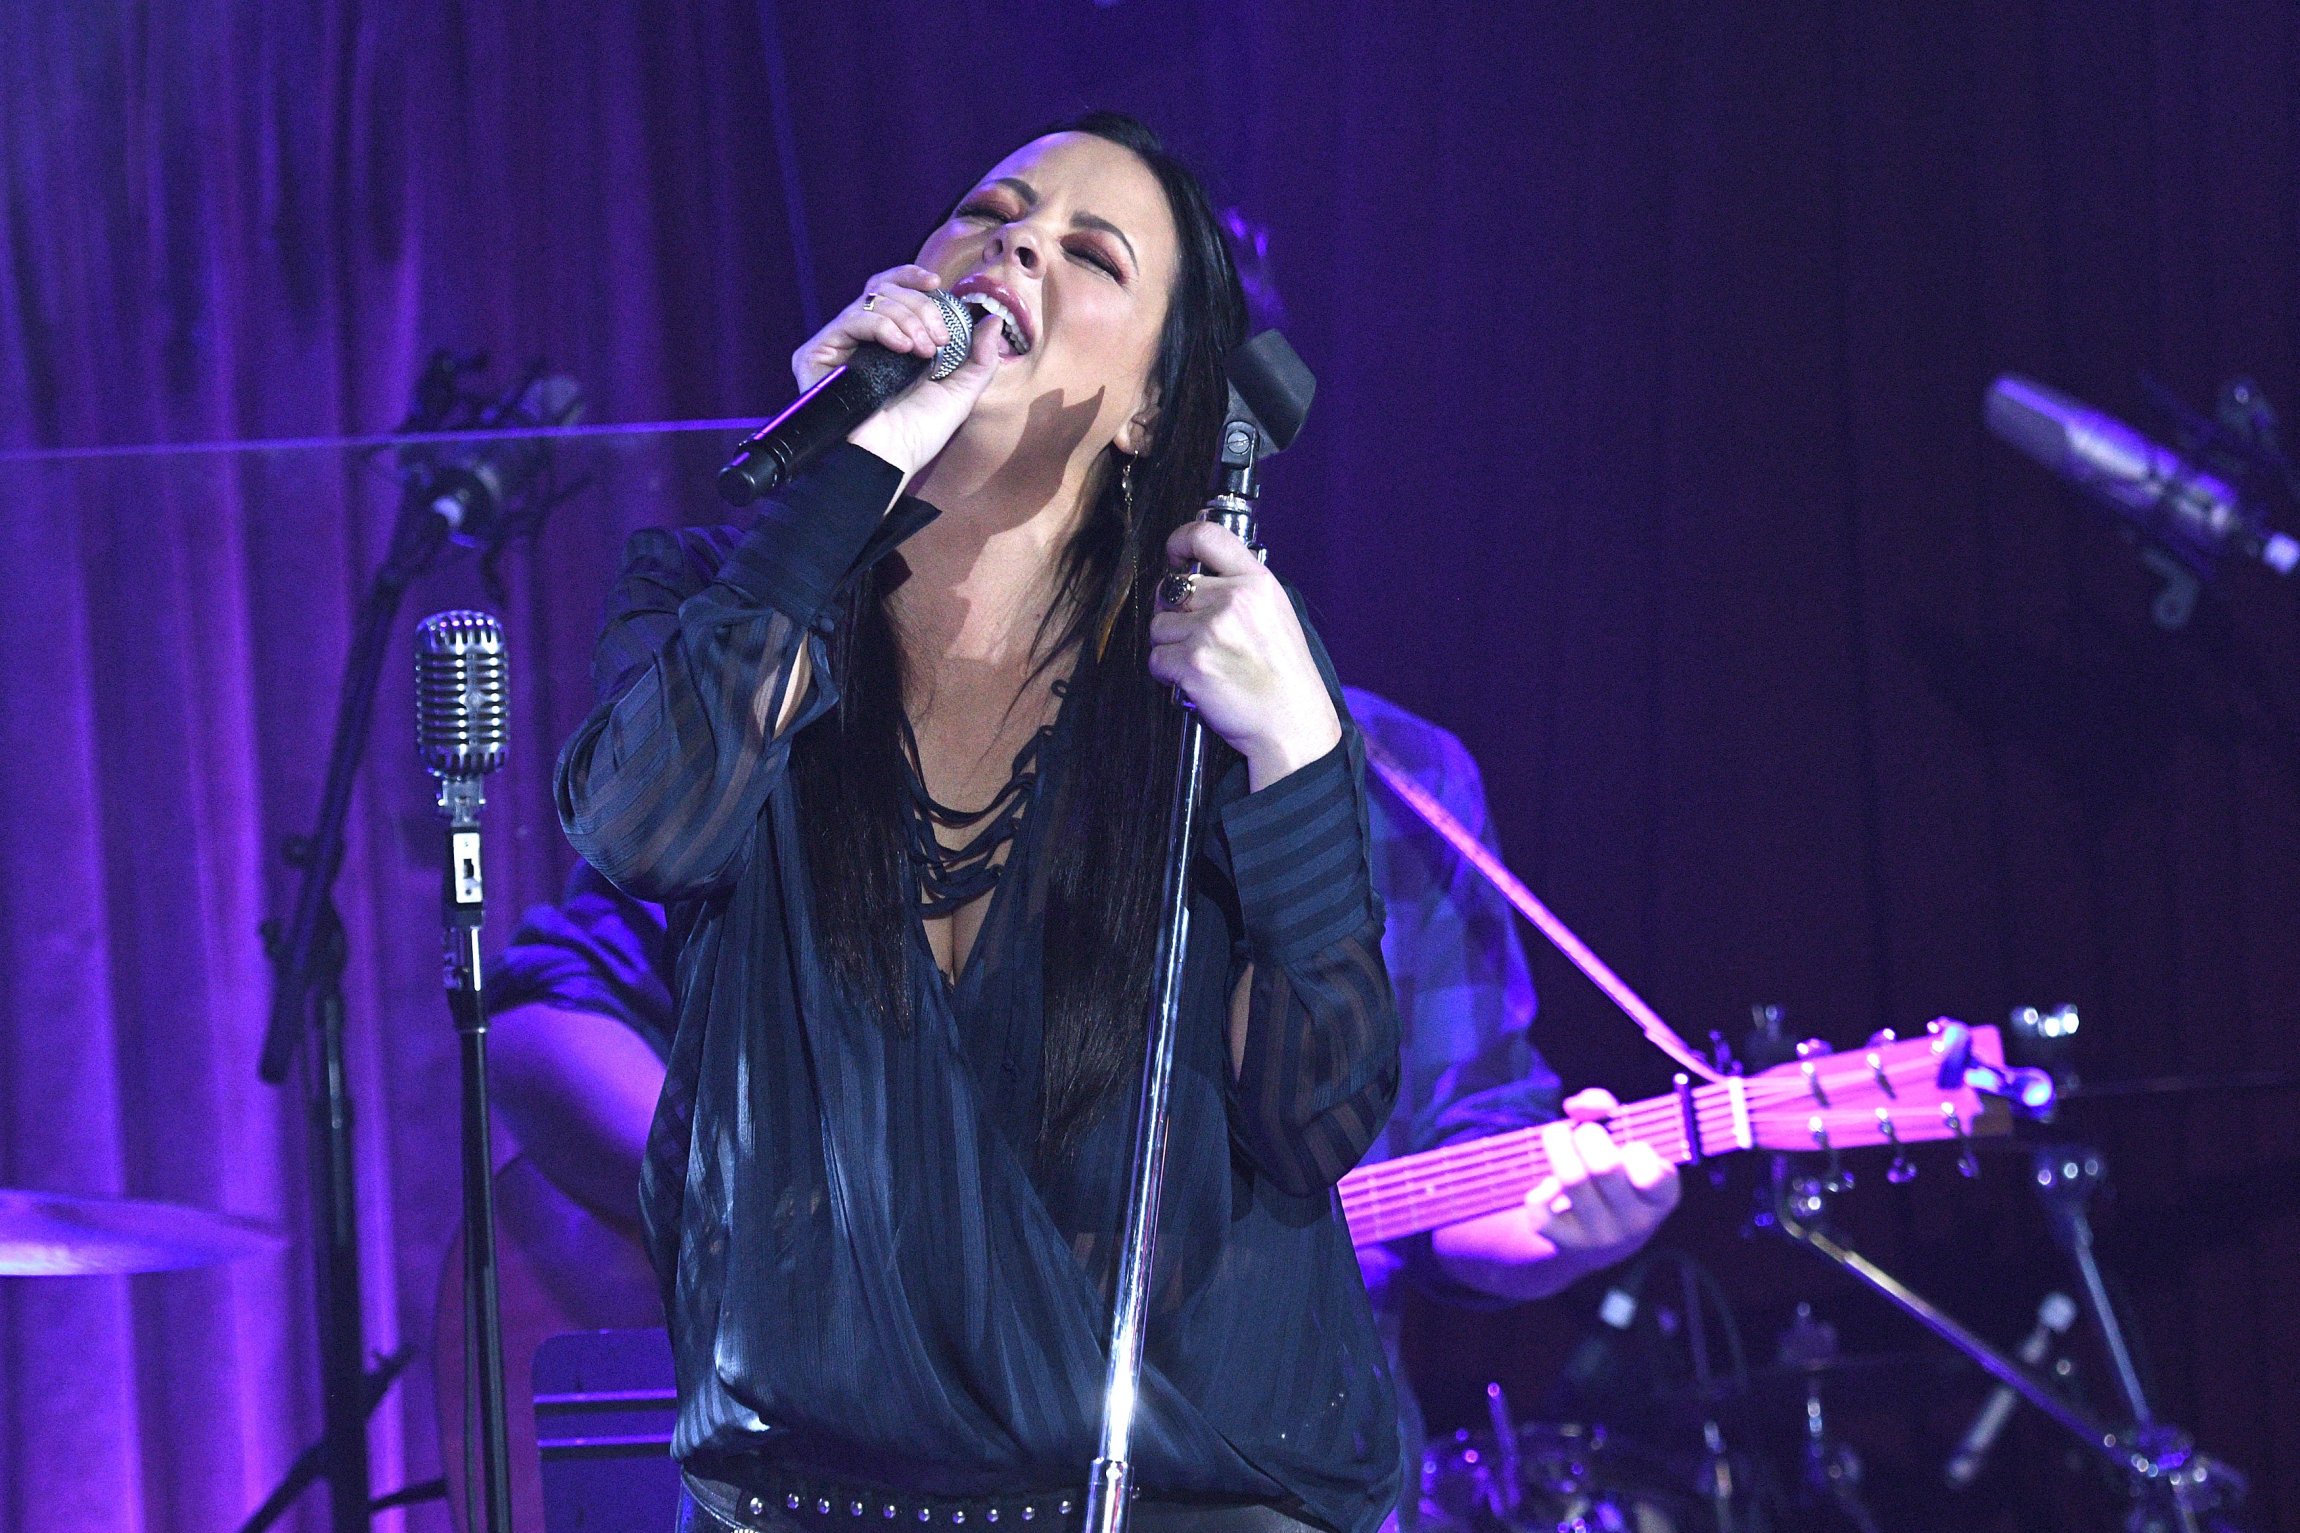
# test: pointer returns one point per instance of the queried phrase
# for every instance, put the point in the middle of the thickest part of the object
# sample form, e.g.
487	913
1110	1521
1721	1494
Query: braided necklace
949	877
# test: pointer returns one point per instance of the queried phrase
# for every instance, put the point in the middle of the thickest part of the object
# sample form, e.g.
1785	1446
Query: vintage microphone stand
1270	393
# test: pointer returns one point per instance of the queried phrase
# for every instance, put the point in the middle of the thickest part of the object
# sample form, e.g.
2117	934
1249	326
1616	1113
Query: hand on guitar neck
1523	1213
1600	1202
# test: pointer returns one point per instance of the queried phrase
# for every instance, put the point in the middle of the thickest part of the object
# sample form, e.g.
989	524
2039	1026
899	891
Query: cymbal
53	1234
1784	1383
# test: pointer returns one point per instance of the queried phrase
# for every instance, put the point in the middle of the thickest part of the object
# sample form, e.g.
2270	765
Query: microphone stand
463	908
308	957
1110	1486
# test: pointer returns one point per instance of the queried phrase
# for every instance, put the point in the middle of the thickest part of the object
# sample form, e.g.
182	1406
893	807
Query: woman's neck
983	573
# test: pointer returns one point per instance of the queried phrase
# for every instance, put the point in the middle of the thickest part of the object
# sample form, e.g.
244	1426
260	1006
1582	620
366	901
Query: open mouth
1012	330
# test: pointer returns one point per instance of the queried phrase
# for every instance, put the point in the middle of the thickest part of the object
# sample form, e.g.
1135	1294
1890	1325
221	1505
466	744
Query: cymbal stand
2165	1476
1717	1469
1832	1468
2066	1176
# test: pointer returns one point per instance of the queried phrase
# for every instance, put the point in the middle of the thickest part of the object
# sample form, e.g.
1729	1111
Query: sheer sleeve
660	788
596	950
1318	1073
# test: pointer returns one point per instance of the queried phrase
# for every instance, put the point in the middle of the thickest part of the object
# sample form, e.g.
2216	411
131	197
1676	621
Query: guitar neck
1891	1092
1392	1199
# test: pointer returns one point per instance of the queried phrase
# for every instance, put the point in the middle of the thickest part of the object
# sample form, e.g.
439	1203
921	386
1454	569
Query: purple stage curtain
1651	342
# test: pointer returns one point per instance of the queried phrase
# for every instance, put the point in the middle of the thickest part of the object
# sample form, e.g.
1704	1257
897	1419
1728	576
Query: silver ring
870	302
1177	588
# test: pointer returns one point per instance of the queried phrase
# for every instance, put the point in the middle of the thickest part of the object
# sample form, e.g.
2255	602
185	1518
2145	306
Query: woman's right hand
913	427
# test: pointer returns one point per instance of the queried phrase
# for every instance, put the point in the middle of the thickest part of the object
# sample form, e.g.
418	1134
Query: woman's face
1070	241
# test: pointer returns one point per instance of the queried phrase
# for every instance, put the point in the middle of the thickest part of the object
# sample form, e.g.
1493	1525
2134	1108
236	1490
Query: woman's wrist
1274	757
885	443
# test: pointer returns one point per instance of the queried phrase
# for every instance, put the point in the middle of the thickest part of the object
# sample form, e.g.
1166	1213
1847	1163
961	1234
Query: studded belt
771	1500
776	1500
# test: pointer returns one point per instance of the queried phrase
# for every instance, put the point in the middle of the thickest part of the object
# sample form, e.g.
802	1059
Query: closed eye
1092	256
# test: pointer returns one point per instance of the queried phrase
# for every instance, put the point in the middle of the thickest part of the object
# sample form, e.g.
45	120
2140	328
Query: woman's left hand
1237	651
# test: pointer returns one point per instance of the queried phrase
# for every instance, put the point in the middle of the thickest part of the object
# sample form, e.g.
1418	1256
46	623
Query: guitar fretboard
1891	1092
1395	1198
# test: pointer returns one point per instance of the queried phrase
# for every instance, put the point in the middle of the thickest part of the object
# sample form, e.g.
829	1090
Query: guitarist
1465	1005
582	1028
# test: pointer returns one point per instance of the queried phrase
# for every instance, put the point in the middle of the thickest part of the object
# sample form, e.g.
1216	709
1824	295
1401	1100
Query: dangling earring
1122	579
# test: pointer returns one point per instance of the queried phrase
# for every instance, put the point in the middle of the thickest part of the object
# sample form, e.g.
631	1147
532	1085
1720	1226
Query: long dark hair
1102	889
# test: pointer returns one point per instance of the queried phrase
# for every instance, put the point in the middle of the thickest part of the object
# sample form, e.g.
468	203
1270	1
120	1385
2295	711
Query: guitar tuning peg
1812	1048
1967	1162
1901	1170
1838	1178
1883	1036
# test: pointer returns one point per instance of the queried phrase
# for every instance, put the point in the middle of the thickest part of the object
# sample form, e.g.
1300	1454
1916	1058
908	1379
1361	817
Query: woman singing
885	1181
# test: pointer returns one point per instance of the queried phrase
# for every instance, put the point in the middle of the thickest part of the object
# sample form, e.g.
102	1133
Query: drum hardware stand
2171	1484
1832	1468
2066	1176
1505	1502
1717	1468
1270	392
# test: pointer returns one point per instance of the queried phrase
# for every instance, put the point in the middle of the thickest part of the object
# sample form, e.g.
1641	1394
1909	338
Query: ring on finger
870	302
1177	588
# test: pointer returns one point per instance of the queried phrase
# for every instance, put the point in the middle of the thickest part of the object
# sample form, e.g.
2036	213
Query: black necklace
949	877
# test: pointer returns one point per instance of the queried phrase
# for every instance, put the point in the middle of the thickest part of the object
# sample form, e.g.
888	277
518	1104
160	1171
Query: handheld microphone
2196	516
840	401
2053	1318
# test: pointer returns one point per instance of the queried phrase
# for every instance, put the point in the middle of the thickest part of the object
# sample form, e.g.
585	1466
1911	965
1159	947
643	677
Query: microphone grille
959	320
462	726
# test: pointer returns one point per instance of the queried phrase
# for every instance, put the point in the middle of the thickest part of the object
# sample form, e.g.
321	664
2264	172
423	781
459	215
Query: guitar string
1390	1194
1787	1096
1477	1176
1487	1163
1402	1179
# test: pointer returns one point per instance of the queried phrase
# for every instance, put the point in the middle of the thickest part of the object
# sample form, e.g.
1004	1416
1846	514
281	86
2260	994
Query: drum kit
1671	1471
1677	1433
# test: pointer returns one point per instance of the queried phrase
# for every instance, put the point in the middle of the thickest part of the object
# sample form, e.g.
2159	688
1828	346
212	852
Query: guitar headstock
1950	1084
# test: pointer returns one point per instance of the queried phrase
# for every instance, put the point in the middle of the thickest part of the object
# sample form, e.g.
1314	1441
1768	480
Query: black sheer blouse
863	1275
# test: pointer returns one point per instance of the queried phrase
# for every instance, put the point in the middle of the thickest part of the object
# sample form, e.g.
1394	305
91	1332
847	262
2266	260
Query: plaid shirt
1465	997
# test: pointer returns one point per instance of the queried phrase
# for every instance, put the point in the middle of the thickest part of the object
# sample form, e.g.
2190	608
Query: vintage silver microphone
461	727
462	733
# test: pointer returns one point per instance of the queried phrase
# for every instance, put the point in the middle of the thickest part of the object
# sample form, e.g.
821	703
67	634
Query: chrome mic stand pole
460	728
1268	382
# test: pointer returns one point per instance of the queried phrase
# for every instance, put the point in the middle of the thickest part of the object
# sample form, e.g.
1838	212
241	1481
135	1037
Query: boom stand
308	961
